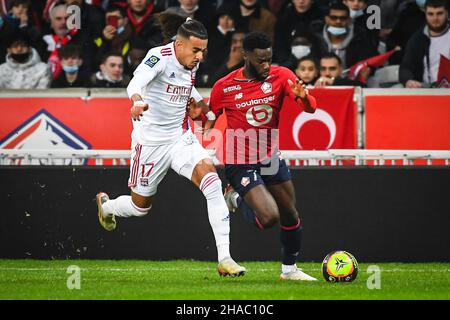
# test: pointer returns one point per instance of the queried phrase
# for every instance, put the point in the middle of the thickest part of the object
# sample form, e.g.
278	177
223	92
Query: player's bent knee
139	212
268	222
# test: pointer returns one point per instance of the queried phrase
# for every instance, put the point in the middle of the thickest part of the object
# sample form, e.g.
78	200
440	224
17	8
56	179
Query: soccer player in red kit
262	189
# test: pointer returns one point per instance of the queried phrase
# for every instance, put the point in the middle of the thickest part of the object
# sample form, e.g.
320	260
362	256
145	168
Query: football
339	266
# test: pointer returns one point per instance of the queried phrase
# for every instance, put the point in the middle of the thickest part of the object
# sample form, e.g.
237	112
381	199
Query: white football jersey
166	86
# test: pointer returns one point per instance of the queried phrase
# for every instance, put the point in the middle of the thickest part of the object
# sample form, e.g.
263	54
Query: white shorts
149	164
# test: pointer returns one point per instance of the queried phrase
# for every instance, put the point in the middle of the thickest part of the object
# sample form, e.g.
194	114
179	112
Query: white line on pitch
197	269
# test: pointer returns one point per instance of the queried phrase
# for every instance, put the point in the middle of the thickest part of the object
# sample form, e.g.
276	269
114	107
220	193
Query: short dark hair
16	3
256	40
170	22
308	58
436	4
331	55
193	28
18	37
110	54
69	51
338	5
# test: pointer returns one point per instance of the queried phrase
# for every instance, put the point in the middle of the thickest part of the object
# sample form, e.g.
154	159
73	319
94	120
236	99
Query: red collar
139	24
63	41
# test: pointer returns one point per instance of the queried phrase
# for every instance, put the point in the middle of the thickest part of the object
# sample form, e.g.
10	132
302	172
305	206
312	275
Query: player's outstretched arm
301	93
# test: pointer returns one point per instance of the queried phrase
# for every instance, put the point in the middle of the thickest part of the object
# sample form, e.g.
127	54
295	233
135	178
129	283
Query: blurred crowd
368	43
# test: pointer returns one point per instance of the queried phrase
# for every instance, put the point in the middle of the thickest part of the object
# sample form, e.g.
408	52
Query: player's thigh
248	183
148	166
284	195
263	204
191	160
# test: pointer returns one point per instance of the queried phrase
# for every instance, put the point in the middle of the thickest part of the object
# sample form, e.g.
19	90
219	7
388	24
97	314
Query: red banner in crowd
408	122
332	126
104	123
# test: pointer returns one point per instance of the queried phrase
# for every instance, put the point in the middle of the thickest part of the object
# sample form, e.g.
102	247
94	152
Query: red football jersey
254	107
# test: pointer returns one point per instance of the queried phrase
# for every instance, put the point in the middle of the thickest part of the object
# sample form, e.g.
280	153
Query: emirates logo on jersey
259	115
266	87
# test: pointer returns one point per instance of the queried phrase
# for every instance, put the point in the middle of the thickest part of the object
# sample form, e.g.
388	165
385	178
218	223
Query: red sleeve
289	75
215	100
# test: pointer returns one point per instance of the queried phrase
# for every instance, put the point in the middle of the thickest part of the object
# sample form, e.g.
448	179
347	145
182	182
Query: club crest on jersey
266	87
144	182
152	61
238	96
245	181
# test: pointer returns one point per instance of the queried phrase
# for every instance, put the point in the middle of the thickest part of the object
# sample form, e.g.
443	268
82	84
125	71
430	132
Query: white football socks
219	217
123	207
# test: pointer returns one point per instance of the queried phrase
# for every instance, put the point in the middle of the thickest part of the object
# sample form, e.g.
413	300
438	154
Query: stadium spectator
218	39
303	43
23	68
141	14
5	33
169	22
18	14
307	70
19	17
420	64
359	16
199	10
135	56
111	73
59	36
233	61
298	14
116	35
331	73
91	19
347	41
250	15
276	6
73	75
411	17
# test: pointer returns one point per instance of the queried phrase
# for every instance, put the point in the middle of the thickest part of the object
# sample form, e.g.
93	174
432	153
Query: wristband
211	116
139	103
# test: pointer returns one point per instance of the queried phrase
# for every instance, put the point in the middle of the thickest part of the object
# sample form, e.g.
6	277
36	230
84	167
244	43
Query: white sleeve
196	95
152	65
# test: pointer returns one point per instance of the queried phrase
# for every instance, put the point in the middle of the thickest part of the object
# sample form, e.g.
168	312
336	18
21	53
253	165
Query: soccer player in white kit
161	90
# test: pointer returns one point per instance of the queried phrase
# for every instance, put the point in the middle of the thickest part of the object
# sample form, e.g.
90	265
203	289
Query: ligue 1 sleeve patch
152	61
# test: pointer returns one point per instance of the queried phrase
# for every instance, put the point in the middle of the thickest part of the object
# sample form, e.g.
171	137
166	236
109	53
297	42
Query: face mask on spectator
20	57
421	3
120	29
336	31
356	13
300	51
70	69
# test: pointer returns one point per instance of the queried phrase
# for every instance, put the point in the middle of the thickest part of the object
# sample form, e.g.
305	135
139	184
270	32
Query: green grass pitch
192	280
